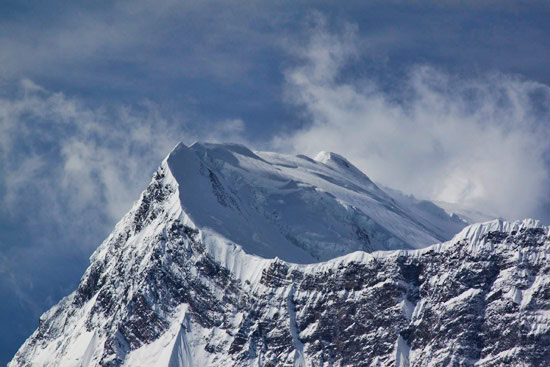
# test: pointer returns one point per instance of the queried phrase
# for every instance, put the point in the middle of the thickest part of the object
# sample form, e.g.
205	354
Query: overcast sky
447	100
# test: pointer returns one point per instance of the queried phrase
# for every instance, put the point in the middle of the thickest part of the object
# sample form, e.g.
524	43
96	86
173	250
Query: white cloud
66	158
68	163
27	168
477	141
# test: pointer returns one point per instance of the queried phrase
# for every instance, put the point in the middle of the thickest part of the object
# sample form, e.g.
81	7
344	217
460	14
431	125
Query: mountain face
218	264
295	208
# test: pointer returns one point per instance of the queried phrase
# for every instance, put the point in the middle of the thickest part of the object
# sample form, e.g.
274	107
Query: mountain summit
218	264
292	207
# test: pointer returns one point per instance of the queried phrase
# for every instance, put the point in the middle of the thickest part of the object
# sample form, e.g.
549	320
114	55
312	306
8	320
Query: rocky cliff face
161	291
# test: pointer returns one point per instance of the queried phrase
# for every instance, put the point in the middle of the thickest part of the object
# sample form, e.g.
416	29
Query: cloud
69	163
479	141
62	153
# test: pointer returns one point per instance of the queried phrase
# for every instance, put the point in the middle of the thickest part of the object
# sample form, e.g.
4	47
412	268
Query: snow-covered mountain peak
227	152
326	157
217	264
292	207
340	163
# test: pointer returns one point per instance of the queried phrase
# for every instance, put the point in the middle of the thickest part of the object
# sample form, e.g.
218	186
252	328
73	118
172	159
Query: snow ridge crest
475	232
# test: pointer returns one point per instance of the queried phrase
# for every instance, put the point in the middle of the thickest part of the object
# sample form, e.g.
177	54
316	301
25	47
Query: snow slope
296	208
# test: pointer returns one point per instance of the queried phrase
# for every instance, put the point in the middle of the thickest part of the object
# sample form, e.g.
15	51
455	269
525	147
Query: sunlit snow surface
296	208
